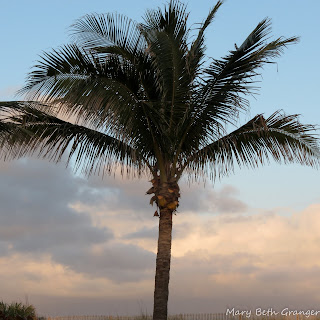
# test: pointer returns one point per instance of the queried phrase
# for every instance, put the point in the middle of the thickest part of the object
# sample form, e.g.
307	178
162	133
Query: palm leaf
141	84
166	34
107	31
114	34
232	75
103	95
280	137
197	49
220	96
34	132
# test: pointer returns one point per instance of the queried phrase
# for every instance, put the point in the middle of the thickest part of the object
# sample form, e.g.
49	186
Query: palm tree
142	96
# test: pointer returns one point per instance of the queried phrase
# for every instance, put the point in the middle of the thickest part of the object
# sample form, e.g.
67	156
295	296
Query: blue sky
29	27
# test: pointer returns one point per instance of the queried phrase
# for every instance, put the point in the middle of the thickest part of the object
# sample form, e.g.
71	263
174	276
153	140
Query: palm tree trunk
161	290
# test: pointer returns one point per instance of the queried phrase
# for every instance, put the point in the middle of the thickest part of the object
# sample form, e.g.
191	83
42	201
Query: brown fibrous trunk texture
161	289
166	196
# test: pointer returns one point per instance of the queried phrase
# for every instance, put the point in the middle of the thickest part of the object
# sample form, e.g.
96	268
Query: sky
76	246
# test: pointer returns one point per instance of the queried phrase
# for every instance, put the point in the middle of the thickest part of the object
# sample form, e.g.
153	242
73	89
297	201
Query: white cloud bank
88	247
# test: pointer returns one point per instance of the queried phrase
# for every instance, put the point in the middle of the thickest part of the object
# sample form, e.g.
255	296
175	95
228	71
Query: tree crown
141	96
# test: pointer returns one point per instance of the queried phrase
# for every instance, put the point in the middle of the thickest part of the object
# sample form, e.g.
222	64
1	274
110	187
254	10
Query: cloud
115	261
35	214
225	259
149	233
197	198
43	279
37	218
119	193
64	236
264	260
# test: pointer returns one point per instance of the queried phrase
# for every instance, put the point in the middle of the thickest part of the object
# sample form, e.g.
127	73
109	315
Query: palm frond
220	97
166	34
114	34
69	63
197	49
280	137
104	95
34	132
145	85
172	21
107	31
233	75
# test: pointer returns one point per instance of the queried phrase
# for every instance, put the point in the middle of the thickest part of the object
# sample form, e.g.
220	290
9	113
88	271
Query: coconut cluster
166	194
